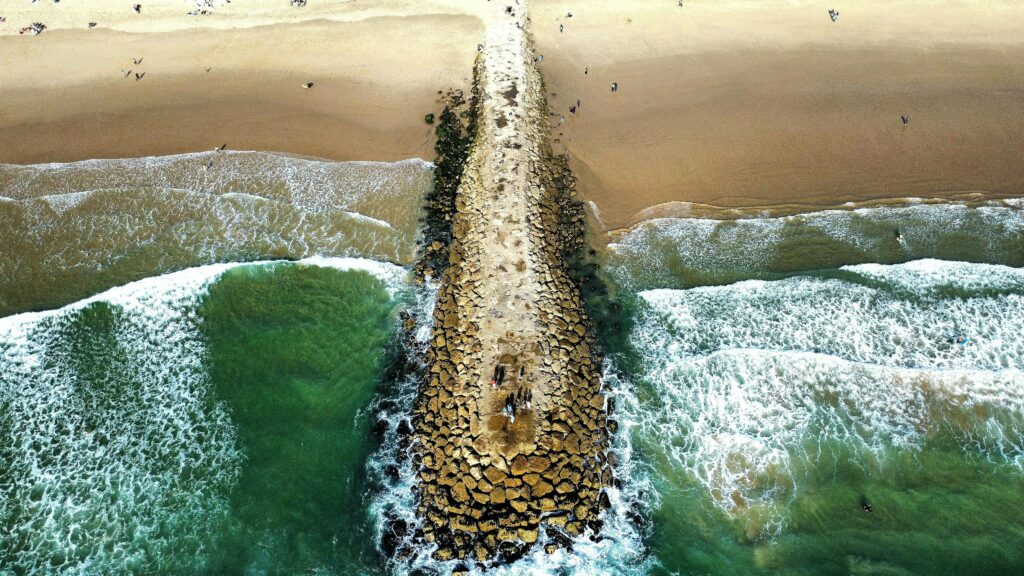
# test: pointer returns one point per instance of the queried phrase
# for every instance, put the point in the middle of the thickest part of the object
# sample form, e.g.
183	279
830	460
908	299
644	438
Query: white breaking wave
371	220
93	464
395	278
753	382
904	324
61	203
115	470
656	252
926	277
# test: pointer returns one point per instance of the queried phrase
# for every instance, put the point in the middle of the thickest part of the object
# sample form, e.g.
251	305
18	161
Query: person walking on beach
615	86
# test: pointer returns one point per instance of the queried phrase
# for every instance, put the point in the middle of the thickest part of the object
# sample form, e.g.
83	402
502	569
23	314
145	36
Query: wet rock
393	536
511	550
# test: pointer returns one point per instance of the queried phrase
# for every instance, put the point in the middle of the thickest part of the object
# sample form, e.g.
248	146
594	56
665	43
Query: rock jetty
510	427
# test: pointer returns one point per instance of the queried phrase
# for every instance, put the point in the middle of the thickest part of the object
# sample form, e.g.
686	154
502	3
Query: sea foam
750	382
93	224
684	252
115	456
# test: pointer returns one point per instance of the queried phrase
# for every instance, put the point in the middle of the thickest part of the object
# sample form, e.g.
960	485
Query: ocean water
73	230
172	409
776	394
210	421
686	252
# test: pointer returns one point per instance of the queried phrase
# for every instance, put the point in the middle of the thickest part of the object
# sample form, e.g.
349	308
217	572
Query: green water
950	500
224	427
295	354
932	513
172	431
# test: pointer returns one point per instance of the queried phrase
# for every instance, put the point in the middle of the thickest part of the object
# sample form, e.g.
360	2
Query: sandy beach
375	75
742	104
733	104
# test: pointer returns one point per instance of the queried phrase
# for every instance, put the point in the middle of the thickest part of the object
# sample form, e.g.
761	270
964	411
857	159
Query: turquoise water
774	394
208	422
295	355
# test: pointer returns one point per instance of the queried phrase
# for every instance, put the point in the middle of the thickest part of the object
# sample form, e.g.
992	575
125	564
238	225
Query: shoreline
694	210
732	104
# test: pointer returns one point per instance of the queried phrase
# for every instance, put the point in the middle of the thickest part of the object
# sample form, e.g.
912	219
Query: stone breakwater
510	329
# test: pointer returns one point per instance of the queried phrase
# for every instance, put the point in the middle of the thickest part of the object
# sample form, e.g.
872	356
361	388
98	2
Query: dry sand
375	73
734	103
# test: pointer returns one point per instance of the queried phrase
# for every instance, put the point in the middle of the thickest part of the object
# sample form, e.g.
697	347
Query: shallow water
72	230
686	252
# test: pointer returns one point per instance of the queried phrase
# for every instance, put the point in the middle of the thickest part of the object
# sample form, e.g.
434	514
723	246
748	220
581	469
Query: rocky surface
494	482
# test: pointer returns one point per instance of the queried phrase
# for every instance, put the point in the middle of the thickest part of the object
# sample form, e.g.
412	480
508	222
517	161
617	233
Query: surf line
510	425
